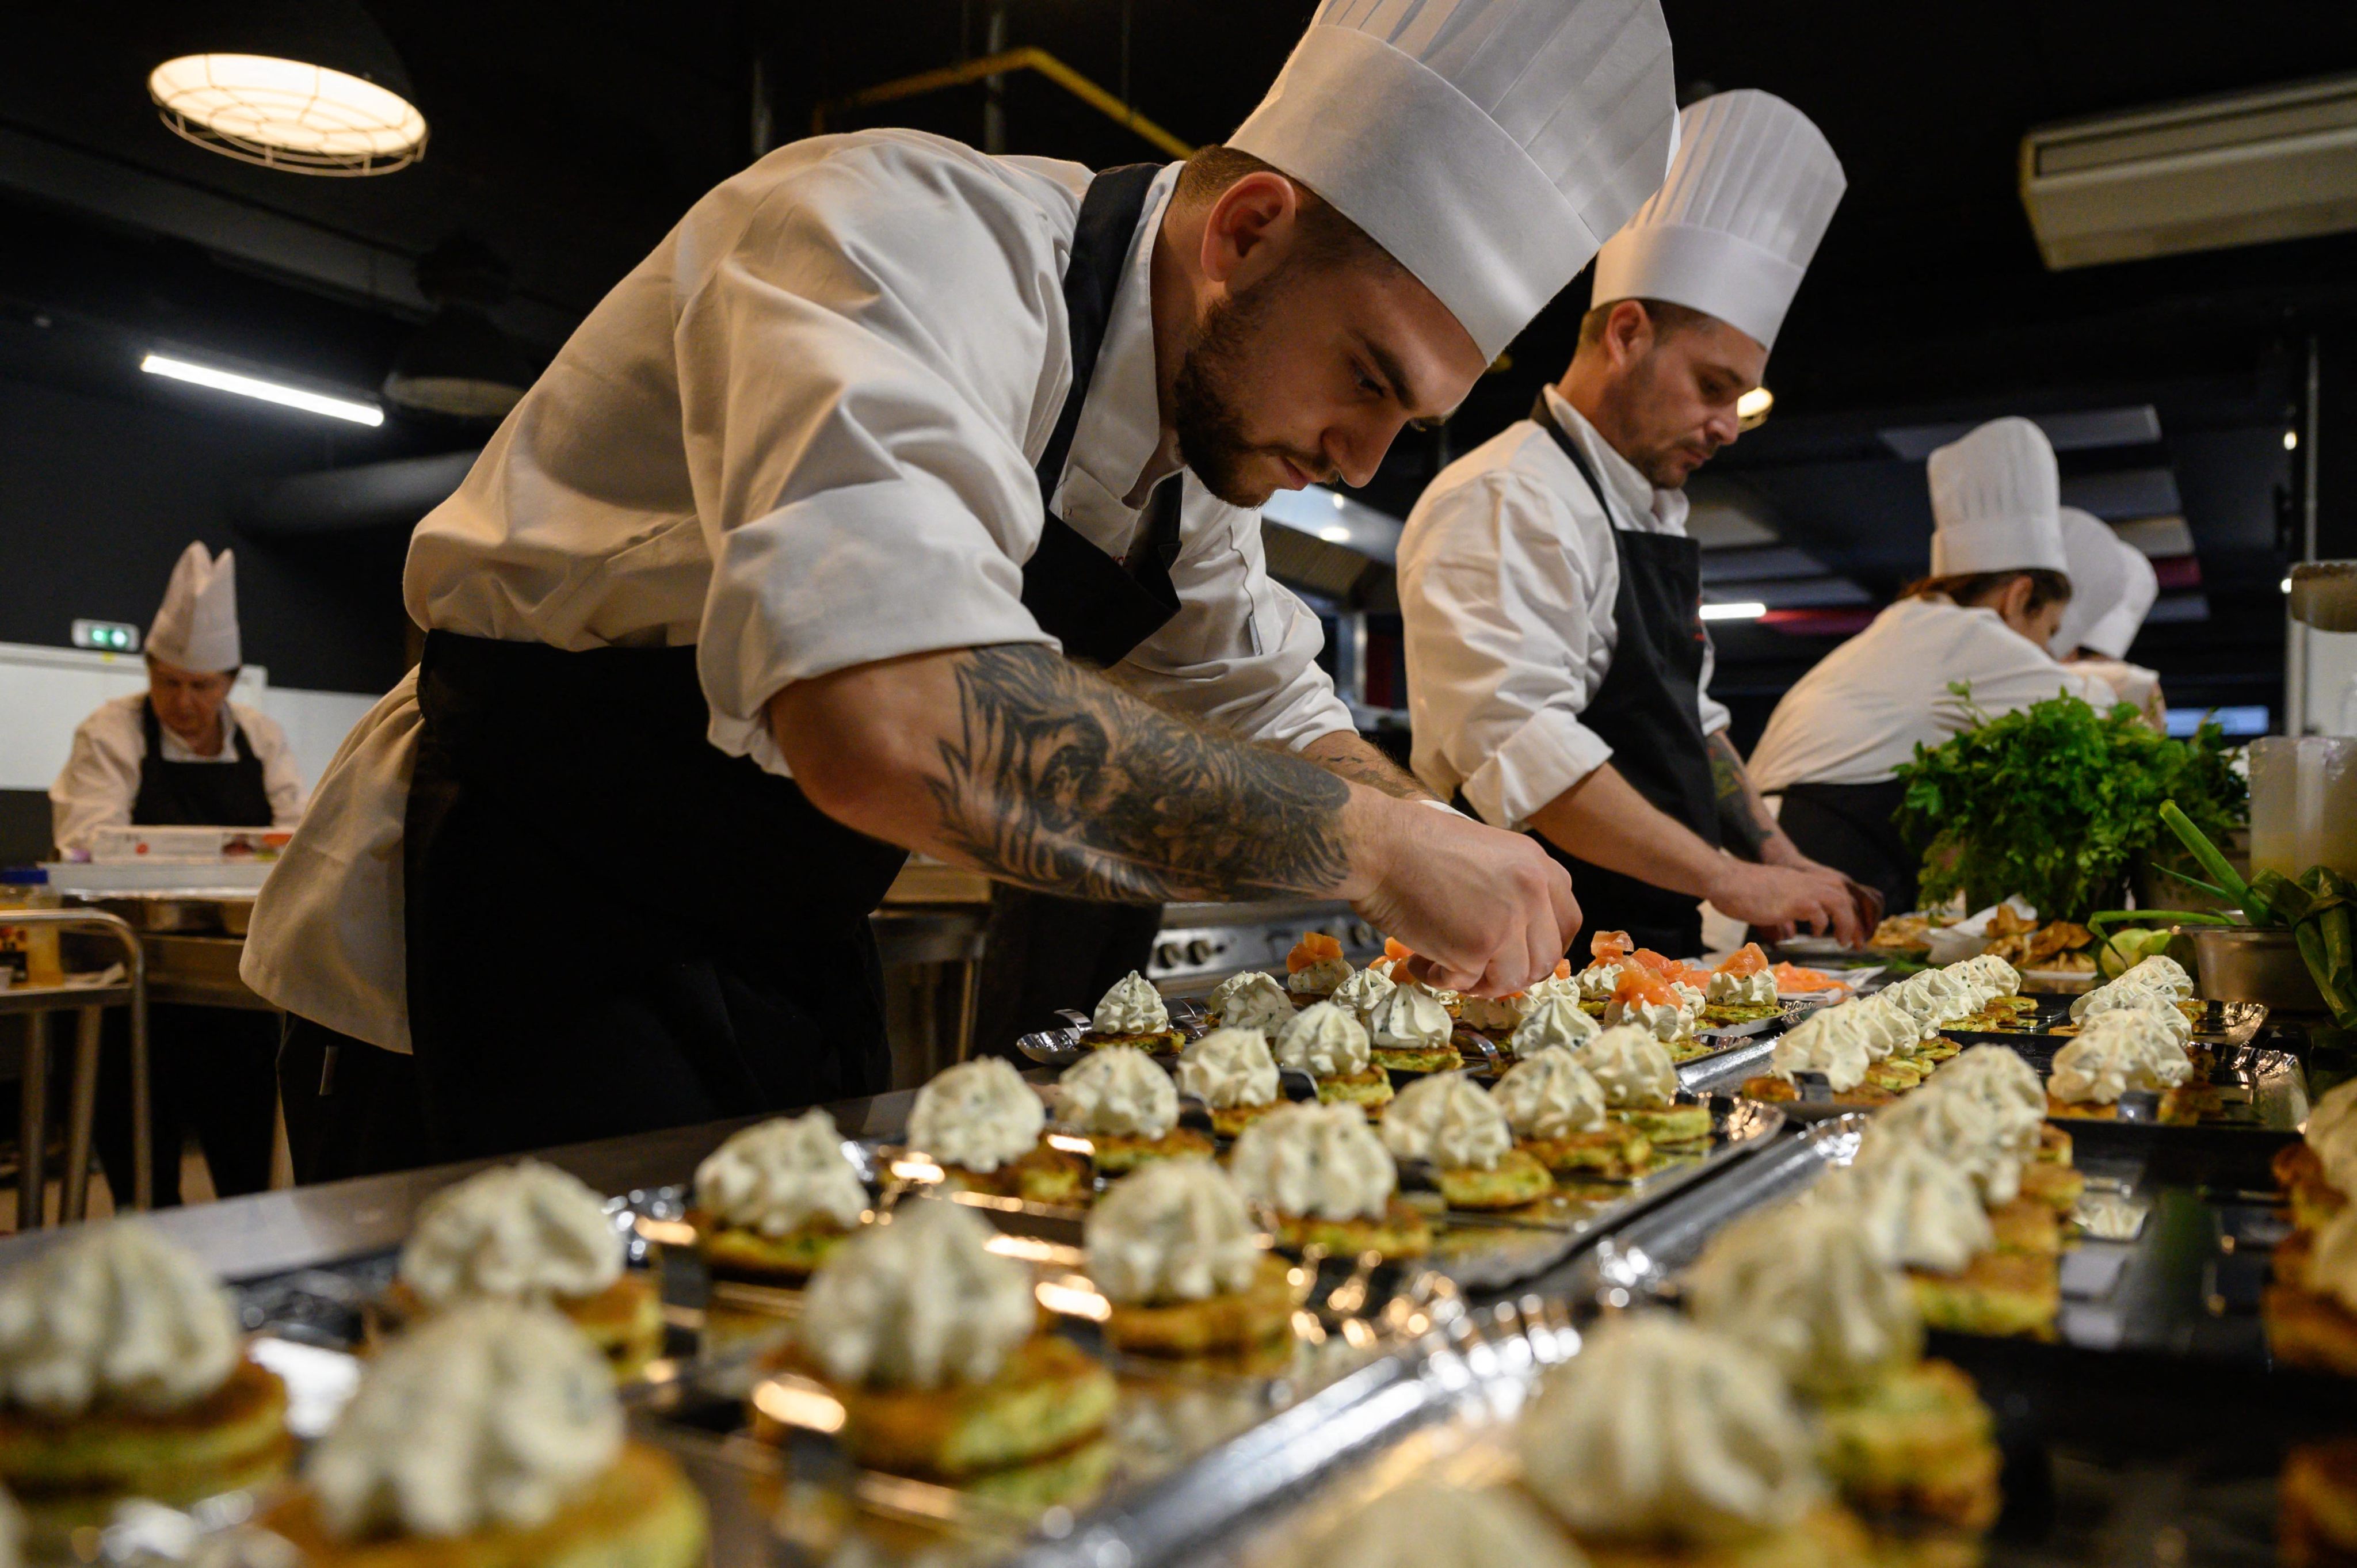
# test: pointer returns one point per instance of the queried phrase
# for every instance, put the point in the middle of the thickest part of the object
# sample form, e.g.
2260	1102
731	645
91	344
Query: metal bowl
2253	963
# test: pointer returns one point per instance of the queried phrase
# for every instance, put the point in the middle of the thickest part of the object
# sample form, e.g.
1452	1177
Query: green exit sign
107	636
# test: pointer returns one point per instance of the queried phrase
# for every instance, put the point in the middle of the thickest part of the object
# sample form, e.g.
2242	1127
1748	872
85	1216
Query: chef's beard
1206	395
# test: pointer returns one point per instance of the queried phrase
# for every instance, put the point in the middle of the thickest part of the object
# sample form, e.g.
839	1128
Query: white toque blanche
1488	145
2112	587
197	627
1995	501
1731	231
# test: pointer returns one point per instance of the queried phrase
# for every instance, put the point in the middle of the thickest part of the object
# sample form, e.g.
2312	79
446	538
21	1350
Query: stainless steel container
2253	963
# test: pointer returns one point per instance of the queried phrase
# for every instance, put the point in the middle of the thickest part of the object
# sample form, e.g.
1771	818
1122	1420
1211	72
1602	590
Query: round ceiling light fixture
288	115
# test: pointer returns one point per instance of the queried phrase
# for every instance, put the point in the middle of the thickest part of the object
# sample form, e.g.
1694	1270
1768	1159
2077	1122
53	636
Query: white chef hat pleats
2113	587
1488	145
196	627
1995	501
1731	231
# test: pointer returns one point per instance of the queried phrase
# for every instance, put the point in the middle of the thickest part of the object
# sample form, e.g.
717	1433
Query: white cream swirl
1429	1524
522	1233
1828	1041
113	1316
1884	1027
1494	1012
1175	1230
2008	1085
1320	978
1661	1020
918	1302
1549	1094
779	1175
2332	1132
1362	992
1741	989
2331	1267
1449	1120
1966	1132
491	1416
1658	1431
2113	1053
1119	1091
1557	1021
1250	1001
1315	1161
1632	1068
2165	1015
1803	1283
2000	977
1935	997
1132	1007
1564	986
1324	1041
2162	973
1919	1212
1599	981
1410	1019
978	1115
1229	1068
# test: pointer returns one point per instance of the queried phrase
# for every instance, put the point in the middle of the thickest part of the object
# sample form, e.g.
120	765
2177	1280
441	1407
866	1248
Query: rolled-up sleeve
1242	652
860	362
1497	610
1712	712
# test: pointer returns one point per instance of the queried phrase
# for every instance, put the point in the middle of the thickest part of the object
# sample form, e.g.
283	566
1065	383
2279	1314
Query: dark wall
100	494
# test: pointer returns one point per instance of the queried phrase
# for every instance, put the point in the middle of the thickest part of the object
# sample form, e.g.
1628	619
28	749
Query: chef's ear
1250	226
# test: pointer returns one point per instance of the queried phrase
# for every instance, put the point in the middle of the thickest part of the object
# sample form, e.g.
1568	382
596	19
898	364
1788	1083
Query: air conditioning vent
2274	165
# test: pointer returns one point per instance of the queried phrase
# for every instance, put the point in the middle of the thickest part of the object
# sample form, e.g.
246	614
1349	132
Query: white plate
1813	944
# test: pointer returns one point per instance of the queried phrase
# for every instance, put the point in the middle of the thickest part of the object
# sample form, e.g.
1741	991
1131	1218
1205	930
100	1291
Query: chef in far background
2112	589
2000	583
181	754
1558	669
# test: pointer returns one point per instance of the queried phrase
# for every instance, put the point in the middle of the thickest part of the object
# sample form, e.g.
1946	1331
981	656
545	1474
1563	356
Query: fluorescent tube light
1741	609
267	392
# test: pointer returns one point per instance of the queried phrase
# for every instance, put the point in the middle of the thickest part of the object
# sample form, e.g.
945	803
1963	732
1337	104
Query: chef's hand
1817	898
1487	911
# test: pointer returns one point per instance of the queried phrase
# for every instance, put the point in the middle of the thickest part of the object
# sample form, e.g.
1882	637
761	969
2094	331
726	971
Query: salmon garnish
1661	964
1748	959
1790	978
1610	946
1638	984
1563	969
1396	951
1315	948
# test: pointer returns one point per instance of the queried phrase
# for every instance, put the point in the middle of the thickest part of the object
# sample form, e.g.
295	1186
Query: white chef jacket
101	779
2134	684
1507	579
799	435
1864	708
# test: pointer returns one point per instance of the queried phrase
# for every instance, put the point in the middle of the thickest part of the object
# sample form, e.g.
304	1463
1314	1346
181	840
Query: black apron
210	1068
1849	828
199	794
614	927
1647	710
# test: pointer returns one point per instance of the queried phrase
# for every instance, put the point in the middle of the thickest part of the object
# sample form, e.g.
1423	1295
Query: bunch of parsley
2055	801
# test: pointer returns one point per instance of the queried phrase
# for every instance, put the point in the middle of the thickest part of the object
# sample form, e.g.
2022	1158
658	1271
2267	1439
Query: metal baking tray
2220	1024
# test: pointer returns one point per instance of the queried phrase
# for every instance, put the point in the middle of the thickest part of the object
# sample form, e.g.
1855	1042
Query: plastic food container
28	954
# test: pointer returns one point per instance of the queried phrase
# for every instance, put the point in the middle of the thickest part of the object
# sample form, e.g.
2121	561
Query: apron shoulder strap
1544	417
1109	214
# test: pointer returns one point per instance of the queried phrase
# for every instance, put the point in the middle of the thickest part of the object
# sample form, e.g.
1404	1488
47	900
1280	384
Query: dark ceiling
570	136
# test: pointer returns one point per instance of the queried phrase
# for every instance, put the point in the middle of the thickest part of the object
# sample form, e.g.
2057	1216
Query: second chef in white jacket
2112	588
1998	587
1558	671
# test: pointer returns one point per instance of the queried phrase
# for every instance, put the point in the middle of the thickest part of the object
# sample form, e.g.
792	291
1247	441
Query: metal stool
35	1002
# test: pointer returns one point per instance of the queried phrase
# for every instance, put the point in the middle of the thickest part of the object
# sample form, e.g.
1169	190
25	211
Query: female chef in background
2112	587
180	754
1999	585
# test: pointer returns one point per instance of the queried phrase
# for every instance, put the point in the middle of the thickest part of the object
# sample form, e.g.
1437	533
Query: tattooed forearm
1059	781
1744	822
1347	755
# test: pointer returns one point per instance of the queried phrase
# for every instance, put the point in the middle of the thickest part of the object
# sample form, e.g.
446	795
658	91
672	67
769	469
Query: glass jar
29	952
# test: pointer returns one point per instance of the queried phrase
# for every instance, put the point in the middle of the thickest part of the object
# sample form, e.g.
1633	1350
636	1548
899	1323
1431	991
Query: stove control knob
1166	955
1199	952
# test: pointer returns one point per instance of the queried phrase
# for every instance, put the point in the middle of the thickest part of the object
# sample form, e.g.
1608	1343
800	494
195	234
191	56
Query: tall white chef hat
197	627
1731	231
1490	145
1995	501
2112	587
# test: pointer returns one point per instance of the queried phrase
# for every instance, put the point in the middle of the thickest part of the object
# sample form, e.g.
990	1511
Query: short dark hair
2047	587
1327	237
1668	319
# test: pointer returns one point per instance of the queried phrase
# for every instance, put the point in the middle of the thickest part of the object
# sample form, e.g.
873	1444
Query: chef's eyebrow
1396	379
